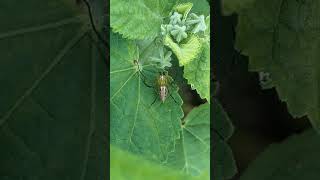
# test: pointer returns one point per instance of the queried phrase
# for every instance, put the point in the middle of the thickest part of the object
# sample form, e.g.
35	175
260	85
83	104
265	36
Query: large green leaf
125	165
139	19
52	110
295	159
197	72
192	154
224	166
282	38
136	125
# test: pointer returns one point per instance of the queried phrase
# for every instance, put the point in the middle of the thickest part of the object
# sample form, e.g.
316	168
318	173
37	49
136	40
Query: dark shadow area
259	116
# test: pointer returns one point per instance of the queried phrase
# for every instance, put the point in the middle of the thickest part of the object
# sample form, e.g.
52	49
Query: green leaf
199	6
207	31
183	8
231	6
197	72
192	154
125	165
52	110
295	159
139	19
137	126
224	165
286	45
186	51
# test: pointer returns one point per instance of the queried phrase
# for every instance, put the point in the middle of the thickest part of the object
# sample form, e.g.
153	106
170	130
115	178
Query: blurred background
258	116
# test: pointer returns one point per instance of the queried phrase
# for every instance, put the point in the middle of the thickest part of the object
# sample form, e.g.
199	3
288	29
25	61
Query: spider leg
148	70
172	97
143	77
154	101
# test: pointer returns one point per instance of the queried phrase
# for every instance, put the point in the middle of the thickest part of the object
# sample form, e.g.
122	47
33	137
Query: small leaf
186	51
197	72
296	158
199	6
183	9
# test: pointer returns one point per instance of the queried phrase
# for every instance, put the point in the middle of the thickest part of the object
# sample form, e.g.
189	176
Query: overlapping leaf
186	51
52	121
223	165
296	158
125	165
193	149
139	19
192	154
282	38
197	72
199	6
136	125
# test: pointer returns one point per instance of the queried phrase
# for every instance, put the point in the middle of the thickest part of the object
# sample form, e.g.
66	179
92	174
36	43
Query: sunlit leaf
139	19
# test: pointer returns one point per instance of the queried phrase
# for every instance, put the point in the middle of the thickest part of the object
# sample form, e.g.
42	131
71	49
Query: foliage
52	110
281	39
296	158
147	35
285	44
224	165
124	166
193	148
135	124
126	17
